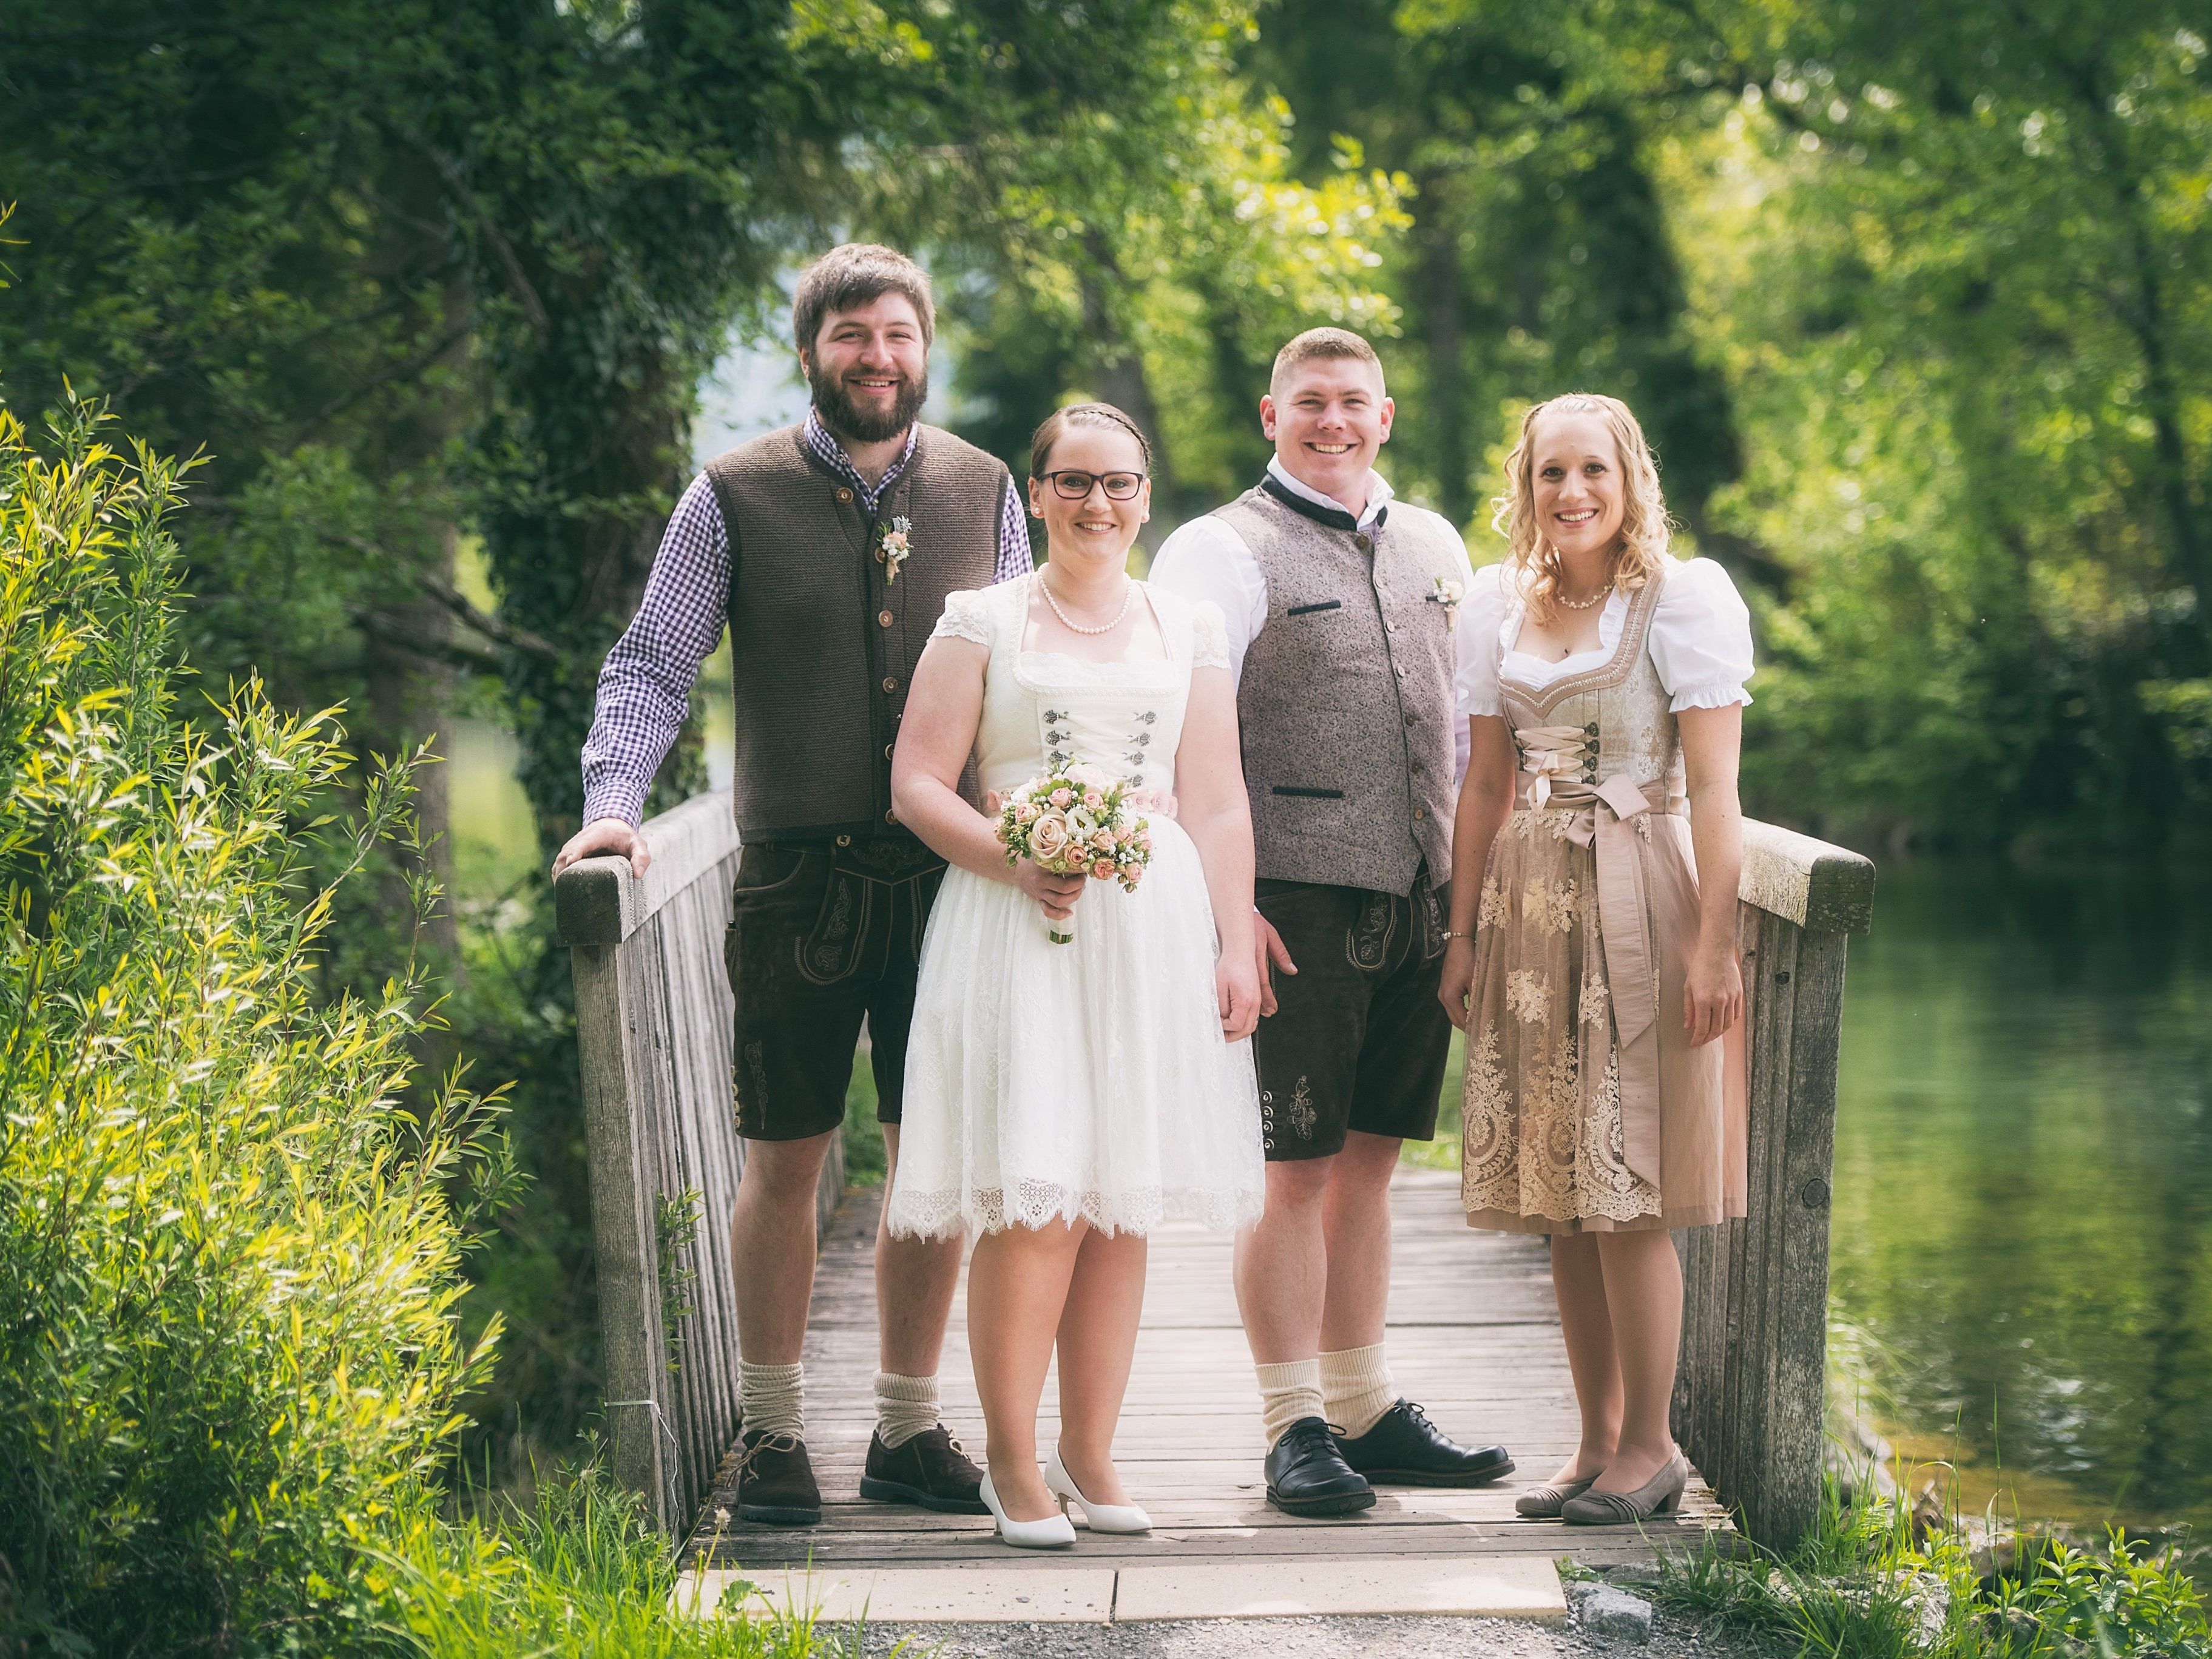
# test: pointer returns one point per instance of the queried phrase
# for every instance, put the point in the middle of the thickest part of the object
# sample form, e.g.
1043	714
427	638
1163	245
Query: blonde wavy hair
1533	564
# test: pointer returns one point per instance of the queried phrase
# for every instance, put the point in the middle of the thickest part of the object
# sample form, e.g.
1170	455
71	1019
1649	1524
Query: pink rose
1103	870
1049	838
1133	875
1093	800
1063	799
1026	814
1103	842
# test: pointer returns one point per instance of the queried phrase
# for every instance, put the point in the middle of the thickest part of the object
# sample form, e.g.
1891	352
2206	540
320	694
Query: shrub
228	1256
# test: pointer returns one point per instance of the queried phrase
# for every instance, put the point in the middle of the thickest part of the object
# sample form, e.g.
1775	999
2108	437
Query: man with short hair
828	548
1342	608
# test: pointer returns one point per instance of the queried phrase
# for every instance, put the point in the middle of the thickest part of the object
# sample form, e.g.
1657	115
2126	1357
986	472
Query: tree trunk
1120	365
1451	442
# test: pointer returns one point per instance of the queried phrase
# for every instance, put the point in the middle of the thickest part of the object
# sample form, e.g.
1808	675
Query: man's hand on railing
605	838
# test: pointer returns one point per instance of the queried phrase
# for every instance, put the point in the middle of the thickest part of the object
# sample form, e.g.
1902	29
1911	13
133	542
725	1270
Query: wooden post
653	1021
1750	1395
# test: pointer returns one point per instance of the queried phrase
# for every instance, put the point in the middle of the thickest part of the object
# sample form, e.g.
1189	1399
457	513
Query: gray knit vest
1346	700
823	643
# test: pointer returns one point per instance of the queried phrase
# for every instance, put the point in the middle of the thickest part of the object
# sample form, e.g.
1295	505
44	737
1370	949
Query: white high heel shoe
1055	1532
1099	1517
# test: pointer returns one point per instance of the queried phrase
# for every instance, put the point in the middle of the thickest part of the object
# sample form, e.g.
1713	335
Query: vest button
1420	812
887	750
880	558
884	617
889	685
843	493
1365	543
890	818
1409	720
844	840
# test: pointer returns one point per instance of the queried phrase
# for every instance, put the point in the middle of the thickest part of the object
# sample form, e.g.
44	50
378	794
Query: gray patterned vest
823	646
1346	700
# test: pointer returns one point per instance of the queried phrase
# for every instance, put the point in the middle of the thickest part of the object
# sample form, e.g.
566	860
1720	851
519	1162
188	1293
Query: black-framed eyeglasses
1073	486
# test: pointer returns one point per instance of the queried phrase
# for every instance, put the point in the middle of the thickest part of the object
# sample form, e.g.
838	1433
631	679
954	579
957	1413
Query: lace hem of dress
942	1213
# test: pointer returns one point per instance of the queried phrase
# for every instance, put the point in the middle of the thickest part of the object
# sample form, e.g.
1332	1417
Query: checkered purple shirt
645	688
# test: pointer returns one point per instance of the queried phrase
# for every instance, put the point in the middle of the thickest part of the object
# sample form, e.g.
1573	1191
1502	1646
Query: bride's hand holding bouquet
1064	829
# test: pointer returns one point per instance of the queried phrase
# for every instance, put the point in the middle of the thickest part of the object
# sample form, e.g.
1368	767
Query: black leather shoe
775	1481
1307	1476
1404	1448
932	1470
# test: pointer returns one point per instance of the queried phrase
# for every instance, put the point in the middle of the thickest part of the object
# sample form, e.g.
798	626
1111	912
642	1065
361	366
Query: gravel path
1308	1638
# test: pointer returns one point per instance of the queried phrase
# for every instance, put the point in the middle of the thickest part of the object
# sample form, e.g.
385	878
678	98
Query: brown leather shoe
775	1481
931	1470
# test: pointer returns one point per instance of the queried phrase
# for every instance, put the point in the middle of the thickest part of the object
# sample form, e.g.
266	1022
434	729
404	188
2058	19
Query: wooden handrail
1750	1394
653	1021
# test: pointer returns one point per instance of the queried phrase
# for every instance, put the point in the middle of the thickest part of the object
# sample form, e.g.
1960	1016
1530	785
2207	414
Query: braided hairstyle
1100	415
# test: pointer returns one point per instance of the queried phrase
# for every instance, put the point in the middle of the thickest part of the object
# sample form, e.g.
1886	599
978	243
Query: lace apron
1584	1108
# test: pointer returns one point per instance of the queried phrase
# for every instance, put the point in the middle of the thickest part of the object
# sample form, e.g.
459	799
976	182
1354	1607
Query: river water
2022	1252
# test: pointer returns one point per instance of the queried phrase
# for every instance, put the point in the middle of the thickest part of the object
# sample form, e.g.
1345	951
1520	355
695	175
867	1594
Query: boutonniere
895	545
1448	593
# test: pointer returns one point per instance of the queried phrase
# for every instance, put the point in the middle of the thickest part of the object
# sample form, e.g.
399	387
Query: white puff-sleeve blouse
1699	640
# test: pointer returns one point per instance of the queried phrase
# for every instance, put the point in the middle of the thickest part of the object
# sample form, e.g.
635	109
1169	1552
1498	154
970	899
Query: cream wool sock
1357	1387
1288	1392
905	1406
769	1398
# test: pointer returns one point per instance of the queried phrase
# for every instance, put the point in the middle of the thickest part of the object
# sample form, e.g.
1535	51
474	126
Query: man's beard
847	421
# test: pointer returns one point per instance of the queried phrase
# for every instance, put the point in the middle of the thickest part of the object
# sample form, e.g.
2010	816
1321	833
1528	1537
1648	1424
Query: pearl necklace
1598	597
1128	594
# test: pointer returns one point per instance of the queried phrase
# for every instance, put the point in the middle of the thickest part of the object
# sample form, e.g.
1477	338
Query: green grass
577	1572
1868	1584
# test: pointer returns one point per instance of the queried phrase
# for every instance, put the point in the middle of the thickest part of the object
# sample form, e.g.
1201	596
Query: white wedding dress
1043	1081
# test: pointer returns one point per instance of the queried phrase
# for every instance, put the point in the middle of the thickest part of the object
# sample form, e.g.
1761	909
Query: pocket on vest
1297	793
1308	609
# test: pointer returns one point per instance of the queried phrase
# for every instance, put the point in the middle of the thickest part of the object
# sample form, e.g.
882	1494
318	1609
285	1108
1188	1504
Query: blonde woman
1596	977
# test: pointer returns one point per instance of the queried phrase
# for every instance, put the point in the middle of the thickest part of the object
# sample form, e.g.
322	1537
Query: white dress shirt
1205	559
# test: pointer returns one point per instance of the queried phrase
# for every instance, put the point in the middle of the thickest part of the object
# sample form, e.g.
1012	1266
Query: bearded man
828	548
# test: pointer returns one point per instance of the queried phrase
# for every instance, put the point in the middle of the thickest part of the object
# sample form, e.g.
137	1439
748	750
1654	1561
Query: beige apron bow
1604	820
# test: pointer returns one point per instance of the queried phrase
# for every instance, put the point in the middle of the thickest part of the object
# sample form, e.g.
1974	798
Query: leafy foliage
228	1261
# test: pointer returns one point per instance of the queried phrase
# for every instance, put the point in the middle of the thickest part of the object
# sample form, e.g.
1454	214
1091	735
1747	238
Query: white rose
1080	823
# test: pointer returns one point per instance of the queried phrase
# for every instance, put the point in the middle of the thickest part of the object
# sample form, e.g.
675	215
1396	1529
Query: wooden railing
1750	1394
654	1013
653	1020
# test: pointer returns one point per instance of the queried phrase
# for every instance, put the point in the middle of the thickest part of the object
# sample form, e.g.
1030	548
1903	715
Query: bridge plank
1473	1337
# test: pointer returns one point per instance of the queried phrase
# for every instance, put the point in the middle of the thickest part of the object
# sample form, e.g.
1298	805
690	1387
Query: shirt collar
1379	494
823	442
1295	492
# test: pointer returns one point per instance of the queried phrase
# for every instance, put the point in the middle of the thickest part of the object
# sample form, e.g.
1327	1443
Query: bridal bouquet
1076	823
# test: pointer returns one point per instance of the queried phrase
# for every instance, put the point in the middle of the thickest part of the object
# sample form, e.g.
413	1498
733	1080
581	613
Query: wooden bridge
1473	1334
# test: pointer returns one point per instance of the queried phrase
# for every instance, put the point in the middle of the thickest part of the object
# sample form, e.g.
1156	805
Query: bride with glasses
1061	1100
